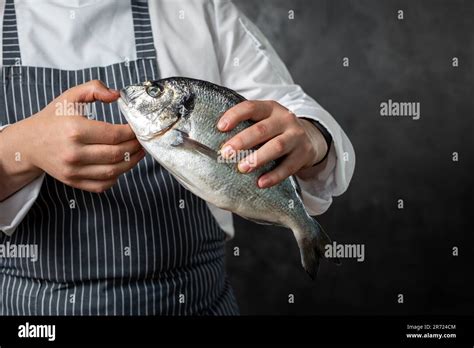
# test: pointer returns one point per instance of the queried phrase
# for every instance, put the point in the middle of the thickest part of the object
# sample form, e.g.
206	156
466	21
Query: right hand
86	154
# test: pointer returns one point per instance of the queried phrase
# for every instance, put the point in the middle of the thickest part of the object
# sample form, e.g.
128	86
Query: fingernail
244	167
228	151
222	125
263	183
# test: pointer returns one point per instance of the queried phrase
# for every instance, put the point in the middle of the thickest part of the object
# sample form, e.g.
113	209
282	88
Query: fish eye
154	91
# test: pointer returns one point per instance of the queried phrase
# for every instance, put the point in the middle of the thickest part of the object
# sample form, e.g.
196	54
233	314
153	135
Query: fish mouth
164	130
126	100
125	108
157	134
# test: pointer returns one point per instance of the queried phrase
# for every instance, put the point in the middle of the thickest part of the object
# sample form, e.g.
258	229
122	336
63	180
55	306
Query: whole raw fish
175	121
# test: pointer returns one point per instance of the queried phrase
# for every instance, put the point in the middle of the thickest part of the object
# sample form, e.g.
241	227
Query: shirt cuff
320	183
14	209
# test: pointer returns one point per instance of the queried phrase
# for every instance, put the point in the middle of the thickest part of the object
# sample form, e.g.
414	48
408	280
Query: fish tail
312	241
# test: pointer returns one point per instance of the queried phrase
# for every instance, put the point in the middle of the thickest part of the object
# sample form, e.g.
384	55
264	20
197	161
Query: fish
175	120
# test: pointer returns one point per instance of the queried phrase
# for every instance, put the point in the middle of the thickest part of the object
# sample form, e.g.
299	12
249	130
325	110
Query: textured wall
408	251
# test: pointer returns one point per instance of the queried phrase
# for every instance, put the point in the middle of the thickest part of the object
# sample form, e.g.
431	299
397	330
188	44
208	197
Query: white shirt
204	39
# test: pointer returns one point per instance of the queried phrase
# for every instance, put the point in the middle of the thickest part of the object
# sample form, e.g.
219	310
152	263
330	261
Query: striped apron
145	247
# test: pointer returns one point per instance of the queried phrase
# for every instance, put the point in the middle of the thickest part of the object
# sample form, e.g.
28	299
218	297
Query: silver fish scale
209	107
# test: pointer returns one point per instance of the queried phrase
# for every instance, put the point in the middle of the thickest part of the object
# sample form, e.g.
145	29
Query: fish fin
312	246
296	185
309	258
321	240
262	222
183	139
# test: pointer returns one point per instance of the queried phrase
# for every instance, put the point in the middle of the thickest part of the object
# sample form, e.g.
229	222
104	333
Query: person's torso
102	33
146	246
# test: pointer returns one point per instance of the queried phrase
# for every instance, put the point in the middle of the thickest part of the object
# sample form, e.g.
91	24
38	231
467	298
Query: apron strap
10	44
142	27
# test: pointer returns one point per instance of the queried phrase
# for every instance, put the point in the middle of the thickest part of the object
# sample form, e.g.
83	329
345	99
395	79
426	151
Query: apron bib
147	246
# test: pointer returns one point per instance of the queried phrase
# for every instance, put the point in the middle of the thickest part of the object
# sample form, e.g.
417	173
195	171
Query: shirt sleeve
14	209
251	66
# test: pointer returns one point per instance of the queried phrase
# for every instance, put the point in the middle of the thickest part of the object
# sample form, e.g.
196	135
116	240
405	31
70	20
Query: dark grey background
407	251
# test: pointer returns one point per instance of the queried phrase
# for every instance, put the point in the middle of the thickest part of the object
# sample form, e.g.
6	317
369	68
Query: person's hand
280	134
82	153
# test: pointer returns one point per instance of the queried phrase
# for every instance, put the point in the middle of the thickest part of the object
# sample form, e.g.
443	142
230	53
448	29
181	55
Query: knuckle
96	83
237	142
261	129
249	106
279	146
291	169
70	157
271	105
289	117
298	132
115	137
68	173
73	132
110	173
116	155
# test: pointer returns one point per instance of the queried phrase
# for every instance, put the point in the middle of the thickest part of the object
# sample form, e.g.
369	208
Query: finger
108	154
98	132
271	150
91	91
94	186
247	110
288	167
251	136
108	171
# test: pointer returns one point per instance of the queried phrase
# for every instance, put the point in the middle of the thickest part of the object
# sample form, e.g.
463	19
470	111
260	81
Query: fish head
154	107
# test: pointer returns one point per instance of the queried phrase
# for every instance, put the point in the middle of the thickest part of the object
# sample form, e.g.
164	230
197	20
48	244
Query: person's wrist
24	145
317	140
16	167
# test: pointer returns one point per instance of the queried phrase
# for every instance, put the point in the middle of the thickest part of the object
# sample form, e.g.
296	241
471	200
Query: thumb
92	91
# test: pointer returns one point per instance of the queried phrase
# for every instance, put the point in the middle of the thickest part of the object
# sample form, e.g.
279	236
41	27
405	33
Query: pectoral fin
182	139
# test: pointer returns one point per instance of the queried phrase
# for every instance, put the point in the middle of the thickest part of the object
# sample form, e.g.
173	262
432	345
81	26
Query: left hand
279	132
